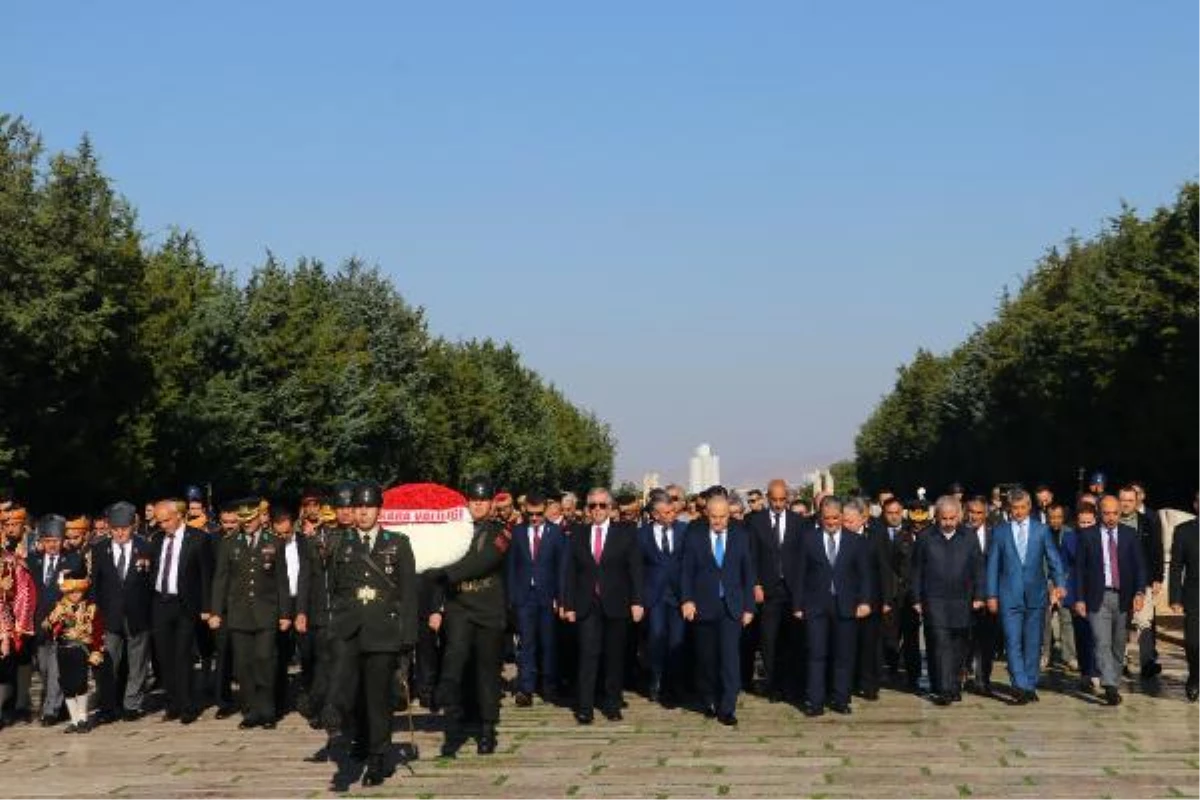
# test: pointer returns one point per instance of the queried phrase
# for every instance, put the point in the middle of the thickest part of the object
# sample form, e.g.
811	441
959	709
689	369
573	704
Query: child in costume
78	634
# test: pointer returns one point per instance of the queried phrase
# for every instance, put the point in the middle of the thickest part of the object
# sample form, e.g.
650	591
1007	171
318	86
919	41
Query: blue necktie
719	554
1022	540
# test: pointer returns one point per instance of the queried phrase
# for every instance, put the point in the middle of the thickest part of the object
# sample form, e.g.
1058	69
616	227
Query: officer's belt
378	570
478	585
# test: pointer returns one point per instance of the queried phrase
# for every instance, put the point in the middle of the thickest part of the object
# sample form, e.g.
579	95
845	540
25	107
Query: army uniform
373	617
474	619
250	596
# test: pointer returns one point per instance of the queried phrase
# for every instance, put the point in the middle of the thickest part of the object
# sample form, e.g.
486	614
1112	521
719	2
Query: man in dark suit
831	590
122	585
901	631
182	582
1149	534
1109	581
294	572
717	588
947	583
45	567
661	543
1185	593
532	572
602	591
985	626
869	658
774	534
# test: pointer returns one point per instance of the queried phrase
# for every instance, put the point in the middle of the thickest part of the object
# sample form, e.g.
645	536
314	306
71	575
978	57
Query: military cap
193	494
121	514
310	493
369	495
343	494
246	508
52	526
480	488
279	512
328	515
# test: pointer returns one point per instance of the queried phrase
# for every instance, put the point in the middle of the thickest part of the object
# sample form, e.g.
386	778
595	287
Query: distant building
704	469
649	483
821	481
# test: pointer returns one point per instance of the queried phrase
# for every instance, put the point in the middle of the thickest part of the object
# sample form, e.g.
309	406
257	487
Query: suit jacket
727	589
813	575
1089	567
772	559
618	575
1185	567
661	572
196	559
1150	534
947	575
292	606
123	602
1018	584
530	581
900	552
48	593
879	565
250	590
379	610
1068	551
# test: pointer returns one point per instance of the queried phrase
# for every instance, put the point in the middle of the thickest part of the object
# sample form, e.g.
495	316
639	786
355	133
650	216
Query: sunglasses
597	505
674	498
535	513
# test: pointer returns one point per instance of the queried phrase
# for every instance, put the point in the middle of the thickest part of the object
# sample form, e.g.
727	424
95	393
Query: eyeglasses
674	498
535	513
597	505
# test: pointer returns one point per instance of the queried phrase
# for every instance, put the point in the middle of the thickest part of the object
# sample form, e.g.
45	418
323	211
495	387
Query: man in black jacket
869	653
947	584
774	532
602	591
122	585
1185	593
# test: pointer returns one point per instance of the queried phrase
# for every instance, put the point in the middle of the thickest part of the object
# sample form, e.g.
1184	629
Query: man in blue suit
831	591
1021	550
1110	577
533	589
717	587
661	543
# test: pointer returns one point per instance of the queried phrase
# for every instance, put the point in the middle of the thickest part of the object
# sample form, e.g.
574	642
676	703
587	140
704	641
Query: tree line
1093	364
129	369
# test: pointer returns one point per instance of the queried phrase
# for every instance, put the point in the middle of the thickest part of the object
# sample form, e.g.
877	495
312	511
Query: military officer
373	589
250	597
474	619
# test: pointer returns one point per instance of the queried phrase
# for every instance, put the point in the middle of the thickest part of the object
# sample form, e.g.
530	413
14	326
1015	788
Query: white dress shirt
172	569
659	530
1108	578
116	555
291	555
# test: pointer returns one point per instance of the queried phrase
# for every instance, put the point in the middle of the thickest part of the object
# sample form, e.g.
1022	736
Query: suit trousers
131	651
285	647
1191	645
47	665
1023	644
1109	634
780	648
981	647
536	650
175	641
484	647
1059	629
1085	646
946	648
254	664
316	664
901	635
1147	639
831	640
665	630
869	654
429	657
718	667
599	635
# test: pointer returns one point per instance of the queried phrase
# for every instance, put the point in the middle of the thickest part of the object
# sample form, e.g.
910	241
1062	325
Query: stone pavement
901	746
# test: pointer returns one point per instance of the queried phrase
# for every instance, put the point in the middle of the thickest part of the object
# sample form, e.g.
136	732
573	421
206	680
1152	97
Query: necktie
49	570
597	543
537	540
719	549
166	570
1022	540
775	525
1112	558
121	562
666	541
830	548
366	537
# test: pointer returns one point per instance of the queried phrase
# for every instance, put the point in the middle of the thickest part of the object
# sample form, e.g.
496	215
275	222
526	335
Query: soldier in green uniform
316	650
250	598
474	619
373	590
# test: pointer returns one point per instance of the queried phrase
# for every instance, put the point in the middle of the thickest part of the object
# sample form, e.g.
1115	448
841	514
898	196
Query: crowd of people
689	599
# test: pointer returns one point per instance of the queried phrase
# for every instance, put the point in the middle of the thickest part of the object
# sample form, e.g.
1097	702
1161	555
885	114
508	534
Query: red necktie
537	540
597	543
1112	559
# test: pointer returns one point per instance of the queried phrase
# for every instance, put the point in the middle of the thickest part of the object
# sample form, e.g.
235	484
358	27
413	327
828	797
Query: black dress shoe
1151	669
939	699
48	722
376	772
131	715
1033	696
870	694
106	717
653	695
224	712
583	717
774	696
613	714
523	699
729	720
170	716
188	717
1021	698
1112	697
358	751
985	690
839	708
487	742
249	722
71	728
811	710
956	697
269	724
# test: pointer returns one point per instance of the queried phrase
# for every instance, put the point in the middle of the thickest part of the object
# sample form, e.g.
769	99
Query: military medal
366	594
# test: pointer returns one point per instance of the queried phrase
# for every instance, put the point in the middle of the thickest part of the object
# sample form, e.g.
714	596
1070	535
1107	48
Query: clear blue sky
705	221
